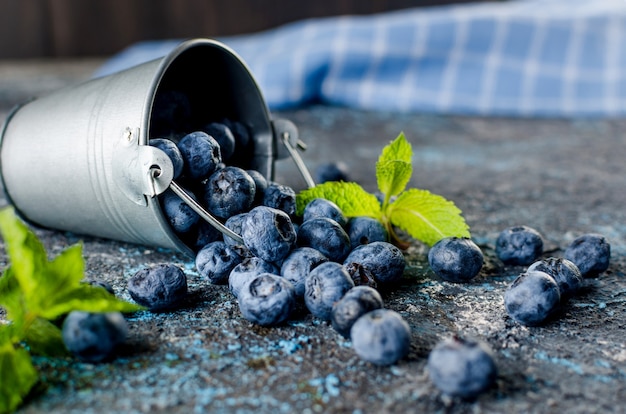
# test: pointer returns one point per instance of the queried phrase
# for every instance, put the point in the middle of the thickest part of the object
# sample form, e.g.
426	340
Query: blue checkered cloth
544	58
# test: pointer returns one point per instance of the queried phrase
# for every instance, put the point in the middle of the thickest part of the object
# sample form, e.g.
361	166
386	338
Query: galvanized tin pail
78	159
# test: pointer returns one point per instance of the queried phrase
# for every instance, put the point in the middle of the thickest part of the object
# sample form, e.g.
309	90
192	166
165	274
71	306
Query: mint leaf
45	338
393	168
17	376
87	298
351	198
11	298
25	251
427	217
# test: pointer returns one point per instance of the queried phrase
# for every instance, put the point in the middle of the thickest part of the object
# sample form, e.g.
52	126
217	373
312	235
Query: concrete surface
562	177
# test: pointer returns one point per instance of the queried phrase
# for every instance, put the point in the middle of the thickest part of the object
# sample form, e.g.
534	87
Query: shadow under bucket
79	159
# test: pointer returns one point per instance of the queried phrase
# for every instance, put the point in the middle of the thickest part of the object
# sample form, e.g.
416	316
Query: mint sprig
33	292
422	215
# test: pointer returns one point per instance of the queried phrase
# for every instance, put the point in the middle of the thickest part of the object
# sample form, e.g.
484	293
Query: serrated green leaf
25	251
45	338
427	217
351	198
11	298
17	376
87	298
393	168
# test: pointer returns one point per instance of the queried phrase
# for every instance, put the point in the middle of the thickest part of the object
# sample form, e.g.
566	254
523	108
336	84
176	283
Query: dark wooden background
72	28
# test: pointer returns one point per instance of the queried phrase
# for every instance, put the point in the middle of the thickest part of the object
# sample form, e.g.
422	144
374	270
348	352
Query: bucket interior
206	82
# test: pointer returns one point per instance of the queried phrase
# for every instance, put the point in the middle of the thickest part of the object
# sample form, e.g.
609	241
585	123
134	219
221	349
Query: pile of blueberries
324	263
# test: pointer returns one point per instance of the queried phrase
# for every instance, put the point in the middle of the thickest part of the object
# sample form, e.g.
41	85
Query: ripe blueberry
298	264
565	273
324	286
364	230
234	223
229	191
384	260
462	367
325	235
160	287
260	183
331	171
381	337
519	245
532	298
172	151
206	234
181	217
356	302
201	155
216	260
267	300
281	197
268	233
93	337
455	259
320	207
224	137
591	253
360	275
247	270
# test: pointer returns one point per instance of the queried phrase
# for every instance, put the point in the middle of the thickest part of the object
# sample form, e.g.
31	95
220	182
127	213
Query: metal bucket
78	159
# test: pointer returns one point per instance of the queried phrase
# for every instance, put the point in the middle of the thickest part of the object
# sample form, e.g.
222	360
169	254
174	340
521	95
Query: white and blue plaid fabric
545	58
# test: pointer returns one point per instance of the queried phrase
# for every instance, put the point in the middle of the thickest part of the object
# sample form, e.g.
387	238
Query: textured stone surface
562	177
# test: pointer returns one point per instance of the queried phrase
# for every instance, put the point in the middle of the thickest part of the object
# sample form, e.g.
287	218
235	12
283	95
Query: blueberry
260	183
381	337
216	260
229	191
281	197
243	140
462	367
331	171
207	233
234	223
267	300
532	298
268	233
105	285
224	137
455	259
298	264
320	207
324	286
247	270
519	245
384	260
355	303
364	230
565	273
181	217
591	253
160	287
93	337
325	235
172	151
360	275
201	155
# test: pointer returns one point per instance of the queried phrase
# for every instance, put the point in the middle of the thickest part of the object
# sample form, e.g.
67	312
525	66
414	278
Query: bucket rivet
128	134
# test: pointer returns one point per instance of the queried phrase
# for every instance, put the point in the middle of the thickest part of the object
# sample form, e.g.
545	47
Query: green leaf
45	338
351	198
87	298
11	298
26	253
394	169
17	376
427	217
